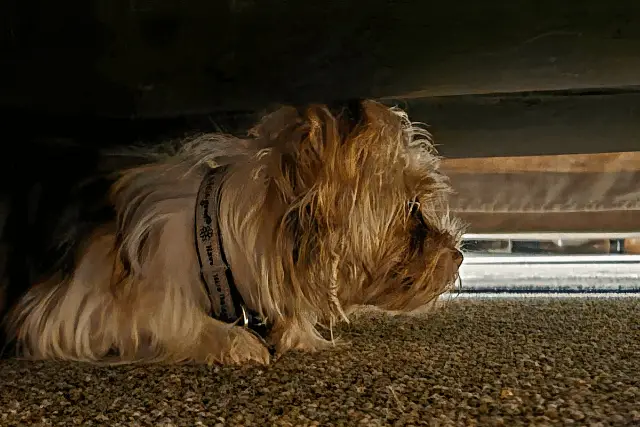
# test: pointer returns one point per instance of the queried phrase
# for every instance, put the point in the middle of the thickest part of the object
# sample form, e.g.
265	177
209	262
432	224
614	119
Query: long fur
318	215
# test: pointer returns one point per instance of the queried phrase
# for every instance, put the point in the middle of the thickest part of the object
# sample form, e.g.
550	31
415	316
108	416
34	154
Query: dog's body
317	215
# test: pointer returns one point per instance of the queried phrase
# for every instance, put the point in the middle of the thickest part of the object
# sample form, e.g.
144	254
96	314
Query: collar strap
227	304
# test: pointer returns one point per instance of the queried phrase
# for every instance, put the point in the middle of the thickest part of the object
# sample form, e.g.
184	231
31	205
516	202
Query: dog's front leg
297	334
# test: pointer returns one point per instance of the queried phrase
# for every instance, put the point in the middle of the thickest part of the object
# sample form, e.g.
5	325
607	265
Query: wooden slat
597	193
568	163
611	221
546	192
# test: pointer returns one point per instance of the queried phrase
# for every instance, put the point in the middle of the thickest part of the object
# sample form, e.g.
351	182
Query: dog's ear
302	140
305	155
308	145
321	131
305	141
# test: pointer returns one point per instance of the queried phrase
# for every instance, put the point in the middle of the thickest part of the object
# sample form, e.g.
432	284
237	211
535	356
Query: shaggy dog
218	249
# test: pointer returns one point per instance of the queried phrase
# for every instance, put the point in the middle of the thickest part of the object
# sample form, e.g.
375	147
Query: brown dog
225	247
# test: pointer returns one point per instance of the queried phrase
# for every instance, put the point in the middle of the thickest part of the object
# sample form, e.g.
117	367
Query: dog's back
54	191
51	198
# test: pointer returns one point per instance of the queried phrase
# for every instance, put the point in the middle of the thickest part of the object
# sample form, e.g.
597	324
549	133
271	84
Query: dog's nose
458	257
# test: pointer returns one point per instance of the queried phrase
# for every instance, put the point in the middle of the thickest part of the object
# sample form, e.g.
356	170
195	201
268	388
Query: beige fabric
587	192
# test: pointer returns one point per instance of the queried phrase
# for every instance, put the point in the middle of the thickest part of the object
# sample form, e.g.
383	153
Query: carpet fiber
476	362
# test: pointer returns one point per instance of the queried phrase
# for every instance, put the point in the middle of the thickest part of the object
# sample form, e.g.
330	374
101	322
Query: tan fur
344	199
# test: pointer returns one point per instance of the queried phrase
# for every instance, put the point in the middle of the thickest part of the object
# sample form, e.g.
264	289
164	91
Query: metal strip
549	236
476	259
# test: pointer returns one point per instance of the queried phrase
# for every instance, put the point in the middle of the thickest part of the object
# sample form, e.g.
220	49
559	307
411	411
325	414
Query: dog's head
360	207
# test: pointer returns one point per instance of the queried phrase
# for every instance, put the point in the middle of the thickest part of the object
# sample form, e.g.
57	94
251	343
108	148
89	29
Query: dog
220	249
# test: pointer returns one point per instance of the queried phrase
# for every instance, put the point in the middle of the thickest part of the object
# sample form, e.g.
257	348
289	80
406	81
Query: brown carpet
493	362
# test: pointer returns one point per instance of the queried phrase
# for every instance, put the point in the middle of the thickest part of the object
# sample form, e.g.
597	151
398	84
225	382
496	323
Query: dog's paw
244	347
312	343
229	345
291	336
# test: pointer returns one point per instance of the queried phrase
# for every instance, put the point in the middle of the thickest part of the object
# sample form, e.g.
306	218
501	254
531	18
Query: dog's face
361	209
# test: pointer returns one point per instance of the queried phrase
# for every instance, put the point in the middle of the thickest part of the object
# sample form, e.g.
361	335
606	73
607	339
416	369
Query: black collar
227	304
